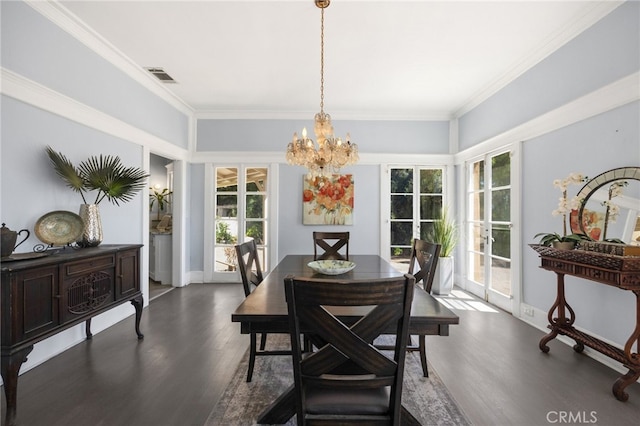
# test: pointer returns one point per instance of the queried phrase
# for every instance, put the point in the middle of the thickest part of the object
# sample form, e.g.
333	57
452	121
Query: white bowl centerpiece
331	267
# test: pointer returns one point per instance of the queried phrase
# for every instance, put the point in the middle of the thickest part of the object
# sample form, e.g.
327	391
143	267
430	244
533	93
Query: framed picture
328	200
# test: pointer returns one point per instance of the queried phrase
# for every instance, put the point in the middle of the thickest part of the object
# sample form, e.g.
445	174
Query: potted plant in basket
106	175
564	241
445	233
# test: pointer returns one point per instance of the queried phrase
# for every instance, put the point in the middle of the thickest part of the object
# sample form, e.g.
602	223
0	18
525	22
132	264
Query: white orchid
564	207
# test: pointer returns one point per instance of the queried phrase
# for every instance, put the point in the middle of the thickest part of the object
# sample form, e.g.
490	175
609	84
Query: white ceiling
383	59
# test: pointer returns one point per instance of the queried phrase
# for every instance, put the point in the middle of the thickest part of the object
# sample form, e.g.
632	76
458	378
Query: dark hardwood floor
491	364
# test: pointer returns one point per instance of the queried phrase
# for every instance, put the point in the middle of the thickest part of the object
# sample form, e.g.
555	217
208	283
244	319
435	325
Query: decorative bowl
331	267
59	228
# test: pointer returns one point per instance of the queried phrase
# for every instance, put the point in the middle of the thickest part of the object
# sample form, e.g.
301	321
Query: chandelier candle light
331	153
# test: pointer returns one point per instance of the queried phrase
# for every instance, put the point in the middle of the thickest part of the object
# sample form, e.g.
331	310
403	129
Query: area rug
425	397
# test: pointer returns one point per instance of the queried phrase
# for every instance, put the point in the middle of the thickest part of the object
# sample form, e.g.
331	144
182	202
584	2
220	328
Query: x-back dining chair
425	255
251	273
347	379
331	243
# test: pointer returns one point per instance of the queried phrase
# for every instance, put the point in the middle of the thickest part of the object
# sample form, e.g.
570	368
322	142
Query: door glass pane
400	257
226	179
501	205
501	276
431	181
477	176
476	267
255	206
255	230
476	206
501	244
430	206
401	206
501	170
256	179
401	233
426	231
401	181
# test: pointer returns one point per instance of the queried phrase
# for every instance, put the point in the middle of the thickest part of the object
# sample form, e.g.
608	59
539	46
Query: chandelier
331	153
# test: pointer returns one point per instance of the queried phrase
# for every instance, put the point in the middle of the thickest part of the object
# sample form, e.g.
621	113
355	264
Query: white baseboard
538	319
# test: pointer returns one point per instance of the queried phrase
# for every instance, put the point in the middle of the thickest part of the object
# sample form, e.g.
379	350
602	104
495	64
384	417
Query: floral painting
328	200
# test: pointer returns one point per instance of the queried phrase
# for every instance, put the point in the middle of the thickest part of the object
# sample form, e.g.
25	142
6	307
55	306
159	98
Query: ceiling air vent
161	75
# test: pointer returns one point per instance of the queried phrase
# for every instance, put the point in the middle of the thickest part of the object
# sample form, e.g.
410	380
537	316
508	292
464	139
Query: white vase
92	232
443	277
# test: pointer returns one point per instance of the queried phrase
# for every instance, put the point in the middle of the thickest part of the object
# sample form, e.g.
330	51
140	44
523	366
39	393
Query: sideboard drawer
82	267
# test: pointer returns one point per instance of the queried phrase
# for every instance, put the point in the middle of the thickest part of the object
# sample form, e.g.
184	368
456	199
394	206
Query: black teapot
9	238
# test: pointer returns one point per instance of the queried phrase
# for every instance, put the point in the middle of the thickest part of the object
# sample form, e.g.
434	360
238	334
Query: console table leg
87	329
9	369
622	383
546	339
138	304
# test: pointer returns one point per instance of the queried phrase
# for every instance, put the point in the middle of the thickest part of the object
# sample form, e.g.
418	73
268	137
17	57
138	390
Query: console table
44	296
622	272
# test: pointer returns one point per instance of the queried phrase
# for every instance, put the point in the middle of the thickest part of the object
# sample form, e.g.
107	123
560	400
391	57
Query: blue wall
600	55
424	137
35	48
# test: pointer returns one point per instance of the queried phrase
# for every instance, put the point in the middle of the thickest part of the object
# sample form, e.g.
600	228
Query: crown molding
30	92
68	22
554	42
306	115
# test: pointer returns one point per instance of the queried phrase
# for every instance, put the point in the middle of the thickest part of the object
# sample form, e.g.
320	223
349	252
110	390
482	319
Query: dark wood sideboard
622	272
44	296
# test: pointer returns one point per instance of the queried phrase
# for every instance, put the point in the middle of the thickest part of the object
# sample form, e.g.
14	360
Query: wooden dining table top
265	309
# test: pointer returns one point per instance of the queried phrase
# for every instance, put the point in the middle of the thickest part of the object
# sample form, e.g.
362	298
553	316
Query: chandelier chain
322	61
331	153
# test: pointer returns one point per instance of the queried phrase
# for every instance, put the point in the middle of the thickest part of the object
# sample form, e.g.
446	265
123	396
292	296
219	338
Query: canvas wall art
328	200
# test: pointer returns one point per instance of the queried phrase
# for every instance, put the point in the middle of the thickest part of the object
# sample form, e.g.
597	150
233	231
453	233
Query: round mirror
610	206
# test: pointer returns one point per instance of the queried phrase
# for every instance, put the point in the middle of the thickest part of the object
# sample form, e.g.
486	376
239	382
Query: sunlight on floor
460	300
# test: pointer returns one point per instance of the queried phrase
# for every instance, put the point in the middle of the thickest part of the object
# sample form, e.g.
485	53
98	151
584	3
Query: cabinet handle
57	296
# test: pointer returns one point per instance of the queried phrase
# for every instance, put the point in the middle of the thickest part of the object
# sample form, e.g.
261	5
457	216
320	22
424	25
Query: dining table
265	311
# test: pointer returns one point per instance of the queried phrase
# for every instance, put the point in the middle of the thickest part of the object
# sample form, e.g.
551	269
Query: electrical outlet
528	310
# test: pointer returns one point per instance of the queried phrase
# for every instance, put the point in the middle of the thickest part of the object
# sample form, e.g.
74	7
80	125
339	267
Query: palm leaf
111	179
66	170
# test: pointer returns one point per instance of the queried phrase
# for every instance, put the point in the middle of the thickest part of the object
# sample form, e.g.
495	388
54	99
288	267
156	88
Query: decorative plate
331	267
59	227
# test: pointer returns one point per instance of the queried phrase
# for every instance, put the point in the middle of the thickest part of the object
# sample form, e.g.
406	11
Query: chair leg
252	356
422	343
263	341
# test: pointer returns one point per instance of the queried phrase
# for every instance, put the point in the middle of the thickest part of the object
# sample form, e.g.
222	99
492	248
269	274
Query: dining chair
425	256
347	380
331	243
251	273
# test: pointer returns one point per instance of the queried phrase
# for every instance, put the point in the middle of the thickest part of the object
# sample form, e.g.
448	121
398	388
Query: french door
239	213
489	228
416	198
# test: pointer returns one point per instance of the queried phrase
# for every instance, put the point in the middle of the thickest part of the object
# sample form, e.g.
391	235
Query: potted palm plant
162	198
104	174
445	233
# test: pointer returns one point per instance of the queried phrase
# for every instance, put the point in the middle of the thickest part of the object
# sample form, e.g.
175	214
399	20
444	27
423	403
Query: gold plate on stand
59	228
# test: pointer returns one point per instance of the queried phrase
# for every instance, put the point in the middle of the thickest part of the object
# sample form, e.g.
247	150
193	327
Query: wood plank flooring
490	363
